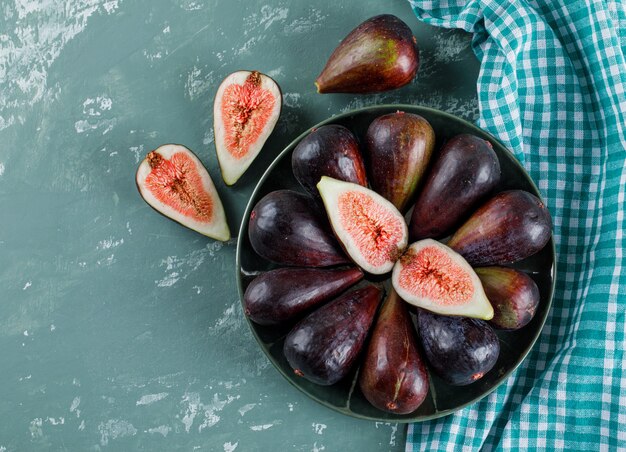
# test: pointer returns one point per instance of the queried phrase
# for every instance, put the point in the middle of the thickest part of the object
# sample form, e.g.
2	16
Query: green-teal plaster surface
120	329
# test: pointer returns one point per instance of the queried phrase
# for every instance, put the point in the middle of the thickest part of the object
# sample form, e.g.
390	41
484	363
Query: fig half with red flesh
369	227
173	181
432	276
246	109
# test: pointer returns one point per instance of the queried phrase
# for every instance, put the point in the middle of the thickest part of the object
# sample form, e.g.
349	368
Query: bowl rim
410	108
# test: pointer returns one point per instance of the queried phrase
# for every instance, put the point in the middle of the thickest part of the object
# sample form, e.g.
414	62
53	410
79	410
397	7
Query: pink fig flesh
370	229
246	109
432	276
174	182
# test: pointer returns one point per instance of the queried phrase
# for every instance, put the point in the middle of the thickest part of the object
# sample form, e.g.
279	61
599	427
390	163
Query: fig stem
154	159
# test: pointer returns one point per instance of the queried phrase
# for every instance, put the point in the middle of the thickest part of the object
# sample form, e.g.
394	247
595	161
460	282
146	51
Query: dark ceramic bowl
442	398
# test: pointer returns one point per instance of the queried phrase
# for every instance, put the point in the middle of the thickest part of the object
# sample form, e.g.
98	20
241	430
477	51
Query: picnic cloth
552	87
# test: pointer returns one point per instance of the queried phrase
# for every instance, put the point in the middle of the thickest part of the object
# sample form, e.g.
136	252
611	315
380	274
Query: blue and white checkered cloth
552	86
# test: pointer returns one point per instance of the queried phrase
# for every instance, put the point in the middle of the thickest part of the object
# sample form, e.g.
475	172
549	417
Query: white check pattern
552	87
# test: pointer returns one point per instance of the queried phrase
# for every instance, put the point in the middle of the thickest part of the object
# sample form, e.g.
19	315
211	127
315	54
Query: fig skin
511	226
513	295
280	295
331	150
465	172
399	147
286	228
324	346
459	349
379	55
393	376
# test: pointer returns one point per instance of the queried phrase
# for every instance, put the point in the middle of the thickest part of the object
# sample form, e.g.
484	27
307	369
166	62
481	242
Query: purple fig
280	295
324	346
513	295
511	226
379	55
330	150
465	171
460	350
285	227
393	376
399	146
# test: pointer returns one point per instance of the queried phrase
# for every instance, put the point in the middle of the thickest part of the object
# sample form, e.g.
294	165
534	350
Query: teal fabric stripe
552	87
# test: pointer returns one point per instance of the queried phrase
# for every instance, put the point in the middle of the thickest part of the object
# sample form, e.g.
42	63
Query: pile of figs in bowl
396	263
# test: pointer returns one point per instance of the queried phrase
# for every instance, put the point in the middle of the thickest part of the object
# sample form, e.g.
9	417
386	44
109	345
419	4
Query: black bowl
442	399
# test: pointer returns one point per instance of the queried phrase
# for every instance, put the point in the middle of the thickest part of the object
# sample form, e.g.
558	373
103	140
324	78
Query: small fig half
399	146
173	181
369	227
379	55
432	276
246	108
513	295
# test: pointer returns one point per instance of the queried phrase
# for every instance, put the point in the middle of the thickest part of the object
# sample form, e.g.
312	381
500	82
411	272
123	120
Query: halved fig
379	55
173	181
246	108
432	276
370	228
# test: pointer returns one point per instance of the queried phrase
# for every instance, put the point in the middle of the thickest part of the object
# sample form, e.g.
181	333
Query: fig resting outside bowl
442	398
